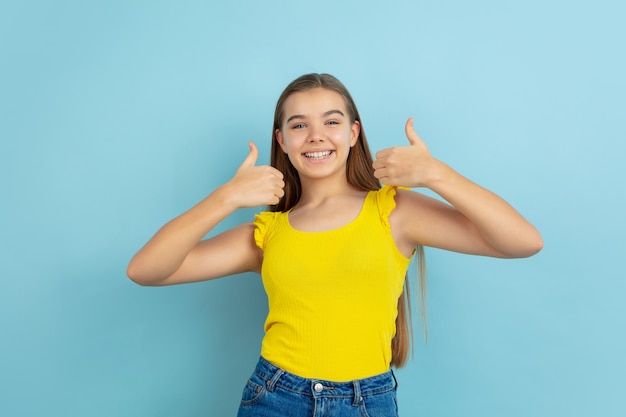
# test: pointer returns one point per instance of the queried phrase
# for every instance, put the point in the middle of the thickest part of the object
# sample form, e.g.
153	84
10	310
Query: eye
332	122
298	126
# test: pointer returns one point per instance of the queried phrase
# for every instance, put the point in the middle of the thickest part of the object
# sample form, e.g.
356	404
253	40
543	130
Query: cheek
293	142
343	136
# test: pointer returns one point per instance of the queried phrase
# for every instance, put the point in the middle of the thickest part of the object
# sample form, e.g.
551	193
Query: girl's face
317	133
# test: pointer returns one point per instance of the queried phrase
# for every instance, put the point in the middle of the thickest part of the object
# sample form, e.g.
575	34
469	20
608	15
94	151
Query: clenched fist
406	166
253	185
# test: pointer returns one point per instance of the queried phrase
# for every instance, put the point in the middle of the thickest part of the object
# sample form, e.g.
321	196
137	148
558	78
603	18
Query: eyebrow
325	114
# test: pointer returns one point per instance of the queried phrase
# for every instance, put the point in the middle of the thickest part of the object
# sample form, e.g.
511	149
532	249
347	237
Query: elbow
145	273
535	243
531	246
135	275
538	245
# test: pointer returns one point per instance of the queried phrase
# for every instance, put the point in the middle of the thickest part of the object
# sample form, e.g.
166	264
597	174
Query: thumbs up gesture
407	166
253	185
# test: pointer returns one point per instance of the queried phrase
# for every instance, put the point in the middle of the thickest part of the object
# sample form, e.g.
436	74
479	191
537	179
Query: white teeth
317	155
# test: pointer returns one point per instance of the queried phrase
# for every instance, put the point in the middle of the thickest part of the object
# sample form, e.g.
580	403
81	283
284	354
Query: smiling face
317	133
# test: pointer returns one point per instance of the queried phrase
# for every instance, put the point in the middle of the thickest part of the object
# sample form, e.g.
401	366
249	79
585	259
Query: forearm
165	252
499	224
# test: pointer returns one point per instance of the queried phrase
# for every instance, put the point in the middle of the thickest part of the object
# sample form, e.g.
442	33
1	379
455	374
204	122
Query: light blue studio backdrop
117	116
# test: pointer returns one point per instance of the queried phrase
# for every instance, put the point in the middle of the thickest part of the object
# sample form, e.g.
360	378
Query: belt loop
394	379
357	393
271	383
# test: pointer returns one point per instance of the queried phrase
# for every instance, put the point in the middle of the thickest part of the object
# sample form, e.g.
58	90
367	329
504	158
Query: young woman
332	250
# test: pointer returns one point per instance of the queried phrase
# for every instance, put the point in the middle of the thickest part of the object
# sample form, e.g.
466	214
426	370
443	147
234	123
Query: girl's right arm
177	254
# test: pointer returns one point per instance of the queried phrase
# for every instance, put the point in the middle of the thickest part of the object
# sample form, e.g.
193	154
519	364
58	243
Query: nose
315	135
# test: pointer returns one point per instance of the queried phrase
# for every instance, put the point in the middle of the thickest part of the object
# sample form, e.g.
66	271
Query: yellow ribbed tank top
332	295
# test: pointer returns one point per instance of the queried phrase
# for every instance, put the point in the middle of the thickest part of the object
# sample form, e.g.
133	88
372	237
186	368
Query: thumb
250	160
411	134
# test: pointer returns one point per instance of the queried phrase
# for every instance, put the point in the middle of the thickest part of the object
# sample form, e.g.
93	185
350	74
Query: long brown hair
360	175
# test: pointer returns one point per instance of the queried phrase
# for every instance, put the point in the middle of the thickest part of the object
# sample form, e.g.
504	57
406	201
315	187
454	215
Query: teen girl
332	250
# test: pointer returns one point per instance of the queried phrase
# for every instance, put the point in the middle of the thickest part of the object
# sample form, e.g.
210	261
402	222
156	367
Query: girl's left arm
476	221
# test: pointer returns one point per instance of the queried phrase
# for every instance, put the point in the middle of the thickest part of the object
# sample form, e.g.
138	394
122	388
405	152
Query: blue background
117	116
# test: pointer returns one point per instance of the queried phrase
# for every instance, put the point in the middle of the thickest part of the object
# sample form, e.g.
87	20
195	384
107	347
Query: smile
317	155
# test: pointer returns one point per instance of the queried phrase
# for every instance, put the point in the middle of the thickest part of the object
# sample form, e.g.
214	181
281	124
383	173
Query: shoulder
416	212
385	197
414	209
265	218
399	200
262	225
410	203
423	220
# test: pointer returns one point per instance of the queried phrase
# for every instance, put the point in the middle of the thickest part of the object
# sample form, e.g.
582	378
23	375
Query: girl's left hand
407	166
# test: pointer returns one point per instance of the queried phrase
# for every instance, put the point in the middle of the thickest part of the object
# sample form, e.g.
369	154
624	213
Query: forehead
311	102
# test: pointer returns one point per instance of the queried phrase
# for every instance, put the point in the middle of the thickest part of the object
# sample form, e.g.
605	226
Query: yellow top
332	295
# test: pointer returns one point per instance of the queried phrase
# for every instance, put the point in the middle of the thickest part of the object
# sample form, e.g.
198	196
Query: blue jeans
271	392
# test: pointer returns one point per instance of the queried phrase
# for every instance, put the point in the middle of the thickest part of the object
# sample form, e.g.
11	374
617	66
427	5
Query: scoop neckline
350	223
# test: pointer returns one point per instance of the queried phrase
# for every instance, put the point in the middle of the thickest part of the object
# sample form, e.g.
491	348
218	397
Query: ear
355	130
280	140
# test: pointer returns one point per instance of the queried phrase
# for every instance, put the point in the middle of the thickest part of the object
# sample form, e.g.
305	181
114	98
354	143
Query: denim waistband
277	377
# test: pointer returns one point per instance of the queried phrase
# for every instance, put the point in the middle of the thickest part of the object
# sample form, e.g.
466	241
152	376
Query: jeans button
318	387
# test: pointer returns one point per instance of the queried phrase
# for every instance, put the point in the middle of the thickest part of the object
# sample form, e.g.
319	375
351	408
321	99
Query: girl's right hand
254	186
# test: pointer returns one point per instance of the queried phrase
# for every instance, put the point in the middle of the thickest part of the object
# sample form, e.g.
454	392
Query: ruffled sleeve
262	223
386	202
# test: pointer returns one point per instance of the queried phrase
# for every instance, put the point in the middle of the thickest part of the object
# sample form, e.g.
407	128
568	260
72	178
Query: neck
317	190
